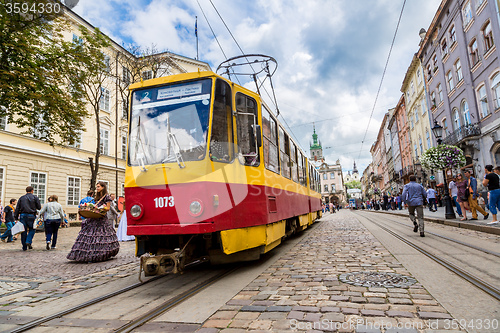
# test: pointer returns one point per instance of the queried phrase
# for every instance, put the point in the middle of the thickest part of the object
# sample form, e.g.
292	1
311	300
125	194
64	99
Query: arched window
466	113
495	87
456	119
487	36
473	52
497	156
483	101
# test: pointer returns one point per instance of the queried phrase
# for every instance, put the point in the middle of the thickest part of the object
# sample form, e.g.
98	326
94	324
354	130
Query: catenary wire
383	75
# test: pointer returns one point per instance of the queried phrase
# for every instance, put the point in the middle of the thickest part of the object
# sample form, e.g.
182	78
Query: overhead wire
383	75
243	53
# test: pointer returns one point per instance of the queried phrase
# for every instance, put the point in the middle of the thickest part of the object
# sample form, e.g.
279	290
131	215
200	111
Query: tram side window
269	129
284	154
246	122
221	148
300	164
293	161
311	177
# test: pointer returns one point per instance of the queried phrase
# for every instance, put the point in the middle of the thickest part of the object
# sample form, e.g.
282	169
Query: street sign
432	177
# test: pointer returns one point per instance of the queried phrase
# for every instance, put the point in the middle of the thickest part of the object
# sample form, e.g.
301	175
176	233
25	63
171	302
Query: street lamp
437	130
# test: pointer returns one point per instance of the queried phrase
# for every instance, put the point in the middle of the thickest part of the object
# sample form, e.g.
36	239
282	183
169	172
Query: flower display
443	157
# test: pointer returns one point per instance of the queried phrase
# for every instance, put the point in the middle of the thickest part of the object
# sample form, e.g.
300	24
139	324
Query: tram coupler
161	264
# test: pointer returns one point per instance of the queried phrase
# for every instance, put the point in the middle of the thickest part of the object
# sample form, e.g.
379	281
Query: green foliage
353	184
36	67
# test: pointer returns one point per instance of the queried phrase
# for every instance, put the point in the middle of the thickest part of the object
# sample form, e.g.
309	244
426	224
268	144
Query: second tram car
211	174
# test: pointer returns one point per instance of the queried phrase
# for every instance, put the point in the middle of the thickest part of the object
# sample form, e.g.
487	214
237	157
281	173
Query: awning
440	185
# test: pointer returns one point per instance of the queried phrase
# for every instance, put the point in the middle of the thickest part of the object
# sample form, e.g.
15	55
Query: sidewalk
439	217
338	278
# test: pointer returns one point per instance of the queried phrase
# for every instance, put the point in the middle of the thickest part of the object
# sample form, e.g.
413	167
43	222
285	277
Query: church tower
315	147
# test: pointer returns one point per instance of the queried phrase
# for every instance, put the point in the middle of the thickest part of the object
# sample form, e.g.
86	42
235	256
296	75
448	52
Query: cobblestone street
302	291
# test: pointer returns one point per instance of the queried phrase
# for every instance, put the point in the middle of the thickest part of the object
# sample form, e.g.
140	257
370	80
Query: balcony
462	133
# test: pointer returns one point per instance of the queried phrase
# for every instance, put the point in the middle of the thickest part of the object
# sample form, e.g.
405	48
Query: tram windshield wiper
173	147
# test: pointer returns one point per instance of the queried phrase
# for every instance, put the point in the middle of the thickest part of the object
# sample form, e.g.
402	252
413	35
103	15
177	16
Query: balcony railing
462	133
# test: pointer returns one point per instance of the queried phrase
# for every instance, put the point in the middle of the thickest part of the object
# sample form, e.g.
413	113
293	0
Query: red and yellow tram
211	174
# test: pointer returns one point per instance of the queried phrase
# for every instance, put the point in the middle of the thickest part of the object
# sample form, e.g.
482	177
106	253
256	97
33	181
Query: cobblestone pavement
39	275
302	291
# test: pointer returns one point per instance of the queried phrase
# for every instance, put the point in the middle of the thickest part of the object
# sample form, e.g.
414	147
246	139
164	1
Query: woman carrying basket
97	239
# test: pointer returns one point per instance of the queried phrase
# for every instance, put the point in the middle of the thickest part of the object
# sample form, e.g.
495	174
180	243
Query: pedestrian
53	216
431	197
454	194
25	212
2	217
88	199
414	196
474	207
113	211
386	201
492	181
331	208
398	201
9	220
462	197
480	201
97	239
121	232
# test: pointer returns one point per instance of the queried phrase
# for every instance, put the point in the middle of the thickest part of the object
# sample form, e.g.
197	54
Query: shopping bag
38	225
17	228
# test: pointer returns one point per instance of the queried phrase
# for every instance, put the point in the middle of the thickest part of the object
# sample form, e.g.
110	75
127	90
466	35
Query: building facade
65	170
462	67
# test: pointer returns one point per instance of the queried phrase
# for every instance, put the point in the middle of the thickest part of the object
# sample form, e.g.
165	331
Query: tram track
463	273
142	319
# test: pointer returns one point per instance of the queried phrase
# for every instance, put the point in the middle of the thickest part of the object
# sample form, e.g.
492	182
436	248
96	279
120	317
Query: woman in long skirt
97	239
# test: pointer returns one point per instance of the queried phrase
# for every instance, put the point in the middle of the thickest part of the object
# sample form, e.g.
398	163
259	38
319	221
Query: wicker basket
91	213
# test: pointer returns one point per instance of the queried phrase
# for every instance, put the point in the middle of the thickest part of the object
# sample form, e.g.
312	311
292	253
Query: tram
211	174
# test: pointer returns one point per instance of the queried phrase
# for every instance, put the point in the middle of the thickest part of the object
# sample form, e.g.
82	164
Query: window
467	13
419	77
434	63
325	176
411	122
125	75
73	198
40	129
78	141
458	70
429	72
2	173
124	147
473	52
456	119
427	138
433	99
107	63
104	99
445	127
416	150
77	40
104	143
332	175
483	101
293	161
284	153
333	187
453	34
125	109
3	123
422	106
302	169
421	145
449	81
412	88
487	36
221	143
326	187
246	127
495	89
440	92
39	182
147	75
415	111
444	48
465	113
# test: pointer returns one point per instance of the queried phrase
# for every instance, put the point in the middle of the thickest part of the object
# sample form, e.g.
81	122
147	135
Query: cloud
331	54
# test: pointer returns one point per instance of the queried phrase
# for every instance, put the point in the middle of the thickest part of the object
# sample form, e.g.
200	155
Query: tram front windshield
169	123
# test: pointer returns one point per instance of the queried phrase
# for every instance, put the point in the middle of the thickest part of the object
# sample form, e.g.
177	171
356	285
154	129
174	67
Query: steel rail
172	302
483	285
96	300
496	254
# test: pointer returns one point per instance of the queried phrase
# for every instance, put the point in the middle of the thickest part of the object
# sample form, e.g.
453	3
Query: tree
35	64
353	184
94	72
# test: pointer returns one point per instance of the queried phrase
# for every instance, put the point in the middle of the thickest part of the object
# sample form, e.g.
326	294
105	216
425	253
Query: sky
331	55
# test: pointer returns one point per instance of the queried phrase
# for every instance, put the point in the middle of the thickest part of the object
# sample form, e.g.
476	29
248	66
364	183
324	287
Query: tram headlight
136	211
196	208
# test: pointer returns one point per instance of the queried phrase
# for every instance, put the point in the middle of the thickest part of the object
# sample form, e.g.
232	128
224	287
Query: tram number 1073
161	202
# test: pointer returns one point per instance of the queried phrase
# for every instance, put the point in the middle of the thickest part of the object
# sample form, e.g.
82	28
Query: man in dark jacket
413	196
26	208
9	221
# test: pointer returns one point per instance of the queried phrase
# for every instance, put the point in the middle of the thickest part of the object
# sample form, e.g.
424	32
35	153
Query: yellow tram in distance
211	174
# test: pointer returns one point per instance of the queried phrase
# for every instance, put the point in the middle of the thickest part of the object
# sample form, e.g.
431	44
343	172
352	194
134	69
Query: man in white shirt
454	194
431	197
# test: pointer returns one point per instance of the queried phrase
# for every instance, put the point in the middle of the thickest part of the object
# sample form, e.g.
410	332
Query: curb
463	225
